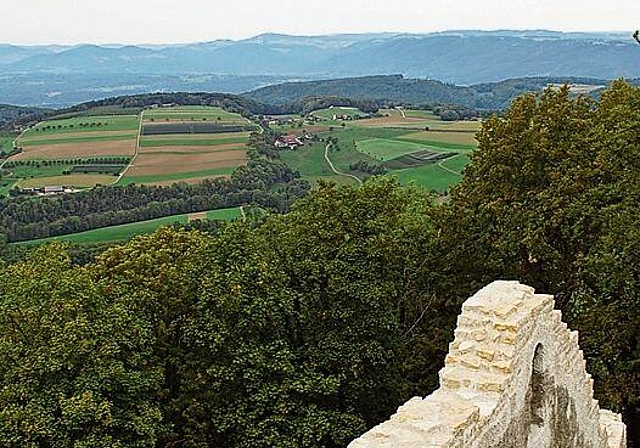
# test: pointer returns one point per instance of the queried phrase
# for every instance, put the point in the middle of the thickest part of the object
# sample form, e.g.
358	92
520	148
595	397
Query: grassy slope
126	231
309	161
76	138
6	141
431	177
194	141
175	176
113	123
384	143
386	149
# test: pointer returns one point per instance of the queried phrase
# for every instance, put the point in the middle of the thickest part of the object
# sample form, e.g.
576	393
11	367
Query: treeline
9	113
269	184
77	161
306	329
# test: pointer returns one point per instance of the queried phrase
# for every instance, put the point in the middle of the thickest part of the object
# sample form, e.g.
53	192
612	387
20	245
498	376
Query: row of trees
306	329
369	168
78	161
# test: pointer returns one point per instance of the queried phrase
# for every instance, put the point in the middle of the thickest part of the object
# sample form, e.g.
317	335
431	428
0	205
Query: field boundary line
333	168
440	164
136	150
14	144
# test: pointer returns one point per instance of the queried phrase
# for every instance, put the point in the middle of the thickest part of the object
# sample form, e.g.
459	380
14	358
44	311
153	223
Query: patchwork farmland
414	145
188	144
158	147
75	152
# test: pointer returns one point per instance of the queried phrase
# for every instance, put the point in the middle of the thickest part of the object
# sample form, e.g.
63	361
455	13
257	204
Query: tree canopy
306	329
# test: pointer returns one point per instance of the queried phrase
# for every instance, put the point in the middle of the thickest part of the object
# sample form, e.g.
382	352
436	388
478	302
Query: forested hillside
306	329
10	113
493	96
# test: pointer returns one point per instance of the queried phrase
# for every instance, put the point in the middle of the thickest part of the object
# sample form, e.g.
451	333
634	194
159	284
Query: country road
333	168
137	150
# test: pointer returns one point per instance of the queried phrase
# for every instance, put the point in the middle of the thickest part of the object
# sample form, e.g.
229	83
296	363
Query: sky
31	22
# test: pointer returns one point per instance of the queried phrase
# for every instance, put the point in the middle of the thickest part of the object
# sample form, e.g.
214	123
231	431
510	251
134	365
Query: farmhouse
288	141
53	190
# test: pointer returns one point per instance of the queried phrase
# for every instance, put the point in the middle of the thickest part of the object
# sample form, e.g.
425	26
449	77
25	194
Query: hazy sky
173	21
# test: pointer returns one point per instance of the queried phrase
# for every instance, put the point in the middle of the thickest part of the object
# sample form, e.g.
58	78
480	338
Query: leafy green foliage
288	333
305	329
551	199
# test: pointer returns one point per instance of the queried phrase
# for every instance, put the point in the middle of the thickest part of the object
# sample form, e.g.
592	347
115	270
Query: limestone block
511	348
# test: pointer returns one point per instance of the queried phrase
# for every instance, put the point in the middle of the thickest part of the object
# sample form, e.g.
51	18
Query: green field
38	170
385	149
193	113
379	140
310	163
431	177
416	113
126	231
195	141
75	138
69	125
6	141
127	180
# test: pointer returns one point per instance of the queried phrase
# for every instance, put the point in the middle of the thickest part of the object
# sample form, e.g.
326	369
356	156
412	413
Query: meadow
309	161
126	231
382	140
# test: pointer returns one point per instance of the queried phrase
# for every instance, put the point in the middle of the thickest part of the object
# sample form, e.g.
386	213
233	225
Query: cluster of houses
289	141
277	121
165	105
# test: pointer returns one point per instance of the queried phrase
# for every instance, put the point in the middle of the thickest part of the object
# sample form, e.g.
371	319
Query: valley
171	145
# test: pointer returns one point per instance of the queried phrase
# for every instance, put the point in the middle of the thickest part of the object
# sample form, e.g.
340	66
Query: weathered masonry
514	378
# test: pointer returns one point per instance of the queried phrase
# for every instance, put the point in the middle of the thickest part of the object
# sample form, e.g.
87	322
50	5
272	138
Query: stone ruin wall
514	378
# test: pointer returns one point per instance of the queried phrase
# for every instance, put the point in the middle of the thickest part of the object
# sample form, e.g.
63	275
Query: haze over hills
59	75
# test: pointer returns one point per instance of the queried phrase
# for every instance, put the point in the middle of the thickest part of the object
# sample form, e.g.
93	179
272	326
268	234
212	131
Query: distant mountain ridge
461	57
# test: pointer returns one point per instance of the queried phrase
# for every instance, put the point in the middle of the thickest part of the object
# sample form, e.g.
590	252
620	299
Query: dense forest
306	329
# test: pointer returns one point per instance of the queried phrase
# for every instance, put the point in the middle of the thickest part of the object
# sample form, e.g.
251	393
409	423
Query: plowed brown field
78	150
